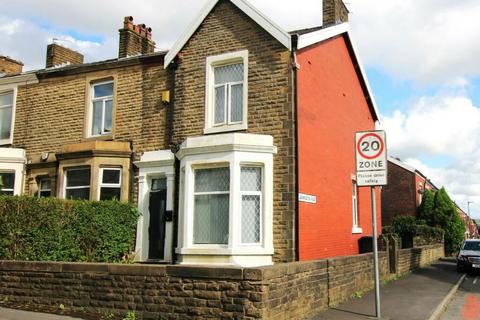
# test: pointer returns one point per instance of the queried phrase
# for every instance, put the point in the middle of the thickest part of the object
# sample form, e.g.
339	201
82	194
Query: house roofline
268	25
308	39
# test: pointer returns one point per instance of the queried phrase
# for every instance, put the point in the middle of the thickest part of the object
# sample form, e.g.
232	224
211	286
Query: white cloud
444	126
438	125
428	41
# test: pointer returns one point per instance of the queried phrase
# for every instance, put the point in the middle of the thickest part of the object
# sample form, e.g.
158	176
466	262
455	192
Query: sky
421	59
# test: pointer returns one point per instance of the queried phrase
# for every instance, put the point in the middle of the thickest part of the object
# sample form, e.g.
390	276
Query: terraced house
237	143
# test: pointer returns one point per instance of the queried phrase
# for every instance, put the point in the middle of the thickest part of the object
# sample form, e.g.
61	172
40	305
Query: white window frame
355	217
217	61
252	193
12	120
14	180
40	184
211	166
109	185
103	99
64	191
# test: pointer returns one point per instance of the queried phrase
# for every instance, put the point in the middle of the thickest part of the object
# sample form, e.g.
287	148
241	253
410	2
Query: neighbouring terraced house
236	144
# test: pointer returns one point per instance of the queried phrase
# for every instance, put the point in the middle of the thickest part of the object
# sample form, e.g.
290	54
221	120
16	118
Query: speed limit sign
371	158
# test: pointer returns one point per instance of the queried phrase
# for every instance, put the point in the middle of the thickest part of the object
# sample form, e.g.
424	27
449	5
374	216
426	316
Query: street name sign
371	158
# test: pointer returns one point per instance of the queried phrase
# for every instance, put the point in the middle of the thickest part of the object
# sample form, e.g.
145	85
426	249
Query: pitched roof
271	27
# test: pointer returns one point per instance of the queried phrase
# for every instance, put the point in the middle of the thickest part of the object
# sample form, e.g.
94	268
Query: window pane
109	193
236	113
8	180
78	178
6	99
82	193
6	193
45	184
103	90
251	179
111	176
108	115
220	104
211	219
97	118
229	73
250	218
159	184
214	179
5	122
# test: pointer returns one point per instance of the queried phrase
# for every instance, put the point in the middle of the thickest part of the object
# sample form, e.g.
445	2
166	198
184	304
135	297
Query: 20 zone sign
371	158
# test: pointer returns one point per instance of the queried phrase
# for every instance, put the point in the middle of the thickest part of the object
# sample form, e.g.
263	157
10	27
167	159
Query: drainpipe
174	148
295	67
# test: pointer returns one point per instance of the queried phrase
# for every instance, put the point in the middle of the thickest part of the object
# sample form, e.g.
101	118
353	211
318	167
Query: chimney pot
135	39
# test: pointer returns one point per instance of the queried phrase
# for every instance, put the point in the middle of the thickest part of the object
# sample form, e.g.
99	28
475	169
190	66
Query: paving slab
14	314
413	297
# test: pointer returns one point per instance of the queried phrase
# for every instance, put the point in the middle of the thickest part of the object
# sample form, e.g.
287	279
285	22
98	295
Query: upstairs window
226	92
6	114
110	183
101	109
77	183
7	182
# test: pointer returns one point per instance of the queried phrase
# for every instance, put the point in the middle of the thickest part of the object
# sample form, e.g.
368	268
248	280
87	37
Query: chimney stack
334	12
135	39
58	55
10	67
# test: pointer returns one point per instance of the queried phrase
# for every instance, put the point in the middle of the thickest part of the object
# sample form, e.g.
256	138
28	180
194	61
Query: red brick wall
331	108
399	197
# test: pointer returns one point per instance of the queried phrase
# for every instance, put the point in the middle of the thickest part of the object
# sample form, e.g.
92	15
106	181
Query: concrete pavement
14	314
413	297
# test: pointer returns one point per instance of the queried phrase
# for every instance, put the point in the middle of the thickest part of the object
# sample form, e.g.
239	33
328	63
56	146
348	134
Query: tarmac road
465	304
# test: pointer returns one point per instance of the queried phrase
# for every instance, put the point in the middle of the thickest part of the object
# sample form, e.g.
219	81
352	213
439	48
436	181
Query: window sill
5	142
357	230
102	137
244	250
225	128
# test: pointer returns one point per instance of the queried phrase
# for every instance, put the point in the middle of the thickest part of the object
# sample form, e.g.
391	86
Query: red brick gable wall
331	108
399	197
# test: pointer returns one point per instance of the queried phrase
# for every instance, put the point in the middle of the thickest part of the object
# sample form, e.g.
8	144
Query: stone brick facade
52	113
9	66
296	290
59	55
270	104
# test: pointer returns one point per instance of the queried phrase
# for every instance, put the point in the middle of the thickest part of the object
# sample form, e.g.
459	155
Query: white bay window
226	199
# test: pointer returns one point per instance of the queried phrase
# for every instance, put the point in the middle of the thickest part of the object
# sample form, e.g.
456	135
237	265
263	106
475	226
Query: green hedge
408	227
50	229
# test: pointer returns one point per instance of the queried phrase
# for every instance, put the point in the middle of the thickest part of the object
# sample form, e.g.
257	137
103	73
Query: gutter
295	67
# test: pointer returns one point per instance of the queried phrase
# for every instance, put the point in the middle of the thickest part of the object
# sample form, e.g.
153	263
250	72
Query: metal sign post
371	160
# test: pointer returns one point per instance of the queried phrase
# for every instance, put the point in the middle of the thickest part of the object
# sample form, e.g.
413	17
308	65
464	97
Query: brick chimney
9	67
58	55
135	39
334	12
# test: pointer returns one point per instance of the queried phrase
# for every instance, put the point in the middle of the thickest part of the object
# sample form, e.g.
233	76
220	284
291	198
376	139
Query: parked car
468	258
